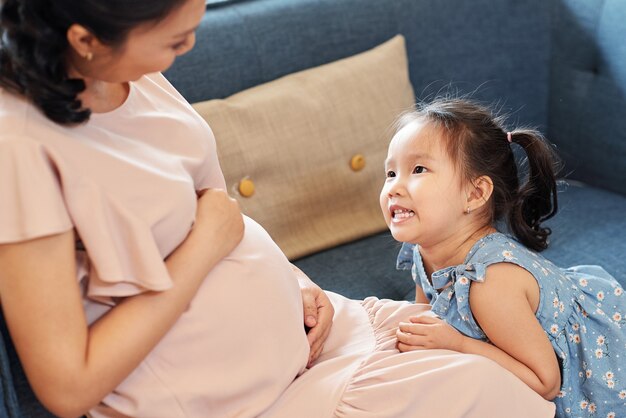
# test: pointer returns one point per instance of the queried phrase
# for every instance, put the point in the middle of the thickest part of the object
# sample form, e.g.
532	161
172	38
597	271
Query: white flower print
622	394
592	408
561	307
617	317
507	254
583	282
600	295
554	328
599	311
561	394
618	291
610	384
584	329
584	404
576	338
463	280
609	375
588	373
555	302
575	327
598	353
600	340
610	415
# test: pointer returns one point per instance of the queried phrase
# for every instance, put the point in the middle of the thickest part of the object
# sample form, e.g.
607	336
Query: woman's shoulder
14	111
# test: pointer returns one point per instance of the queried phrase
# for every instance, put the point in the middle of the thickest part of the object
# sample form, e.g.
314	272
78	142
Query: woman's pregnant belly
234	351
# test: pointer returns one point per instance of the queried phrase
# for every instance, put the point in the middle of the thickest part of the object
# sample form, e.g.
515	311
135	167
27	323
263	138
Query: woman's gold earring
89	56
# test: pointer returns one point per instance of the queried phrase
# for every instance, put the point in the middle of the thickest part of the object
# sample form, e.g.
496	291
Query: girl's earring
467	211
89	56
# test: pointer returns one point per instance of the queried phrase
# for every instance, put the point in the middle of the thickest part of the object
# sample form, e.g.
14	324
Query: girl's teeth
402	214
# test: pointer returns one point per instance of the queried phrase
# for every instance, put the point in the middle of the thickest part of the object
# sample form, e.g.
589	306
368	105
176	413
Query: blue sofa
558	65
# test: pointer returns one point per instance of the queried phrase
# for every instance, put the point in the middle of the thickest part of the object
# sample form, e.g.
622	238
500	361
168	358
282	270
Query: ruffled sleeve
31	199
453	303
42	195
405	257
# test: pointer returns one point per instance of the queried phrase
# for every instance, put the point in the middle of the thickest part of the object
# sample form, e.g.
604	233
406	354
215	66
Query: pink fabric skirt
361	374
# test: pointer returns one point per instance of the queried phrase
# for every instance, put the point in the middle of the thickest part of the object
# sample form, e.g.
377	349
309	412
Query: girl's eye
391	174
419	169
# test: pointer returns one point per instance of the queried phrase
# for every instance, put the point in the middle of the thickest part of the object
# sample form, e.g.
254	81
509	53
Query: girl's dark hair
478	144
34	46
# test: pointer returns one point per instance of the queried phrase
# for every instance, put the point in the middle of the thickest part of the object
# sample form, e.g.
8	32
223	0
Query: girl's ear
479	193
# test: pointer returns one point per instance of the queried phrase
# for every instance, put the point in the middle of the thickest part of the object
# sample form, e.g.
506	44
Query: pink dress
126	183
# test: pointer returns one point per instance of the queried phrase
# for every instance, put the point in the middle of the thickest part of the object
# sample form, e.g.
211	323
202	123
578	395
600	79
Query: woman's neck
100	96
453	250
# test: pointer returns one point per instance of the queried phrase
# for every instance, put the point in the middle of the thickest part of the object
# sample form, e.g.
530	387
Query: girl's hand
318	314
218	220
425	331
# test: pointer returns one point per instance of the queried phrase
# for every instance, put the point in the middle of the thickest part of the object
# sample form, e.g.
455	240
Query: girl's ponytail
536	199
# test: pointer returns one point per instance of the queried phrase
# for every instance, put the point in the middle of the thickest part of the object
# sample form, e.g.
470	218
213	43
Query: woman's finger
309	306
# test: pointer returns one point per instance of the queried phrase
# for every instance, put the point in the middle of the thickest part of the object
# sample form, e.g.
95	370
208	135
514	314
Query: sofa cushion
588	90
589	229
310	147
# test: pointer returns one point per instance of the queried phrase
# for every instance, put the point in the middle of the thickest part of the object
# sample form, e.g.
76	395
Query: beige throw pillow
298	143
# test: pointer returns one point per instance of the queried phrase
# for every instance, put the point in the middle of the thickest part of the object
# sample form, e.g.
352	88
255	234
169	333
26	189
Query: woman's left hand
425	331
318	314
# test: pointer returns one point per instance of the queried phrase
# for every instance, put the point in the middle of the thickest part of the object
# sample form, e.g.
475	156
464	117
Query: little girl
451	175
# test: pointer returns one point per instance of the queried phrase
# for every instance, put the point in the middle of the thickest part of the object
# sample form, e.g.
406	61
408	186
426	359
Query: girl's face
148	48
422	199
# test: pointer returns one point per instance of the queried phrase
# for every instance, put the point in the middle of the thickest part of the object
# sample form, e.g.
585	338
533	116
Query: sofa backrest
587	113
500	49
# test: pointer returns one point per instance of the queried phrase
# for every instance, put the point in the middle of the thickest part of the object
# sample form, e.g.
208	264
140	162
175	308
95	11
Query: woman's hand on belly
318	313
218	220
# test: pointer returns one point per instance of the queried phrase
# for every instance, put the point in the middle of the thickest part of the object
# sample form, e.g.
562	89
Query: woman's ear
82	41
479	193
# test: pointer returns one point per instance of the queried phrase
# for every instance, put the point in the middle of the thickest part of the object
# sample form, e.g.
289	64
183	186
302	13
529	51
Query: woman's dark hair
33	45
478	144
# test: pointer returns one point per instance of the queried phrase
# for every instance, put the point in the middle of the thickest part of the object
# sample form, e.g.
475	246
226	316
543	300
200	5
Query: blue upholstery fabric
588	90
590	228
500	48
9	406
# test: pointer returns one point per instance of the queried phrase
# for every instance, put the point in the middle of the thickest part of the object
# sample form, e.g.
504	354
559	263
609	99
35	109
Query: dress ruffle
428	383
41	198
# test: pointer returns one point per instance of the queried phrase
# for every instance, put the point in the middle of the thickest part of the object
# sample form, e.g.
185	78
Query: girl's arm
71	366
420	296
504	306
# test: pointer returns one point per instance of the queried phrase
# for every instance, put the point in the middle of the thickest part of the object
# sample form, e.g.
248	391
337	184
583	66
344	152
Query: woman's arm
71	366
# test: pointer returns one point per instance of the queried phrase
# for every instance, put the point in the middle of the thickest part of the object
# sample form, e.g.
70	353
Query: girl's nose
395	188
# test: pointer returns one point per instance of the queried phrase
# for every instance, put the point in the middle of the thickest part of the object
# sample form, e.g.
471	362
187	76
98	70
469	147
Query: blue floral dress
582	310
